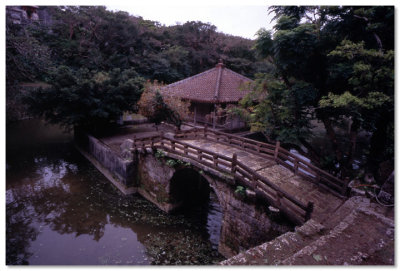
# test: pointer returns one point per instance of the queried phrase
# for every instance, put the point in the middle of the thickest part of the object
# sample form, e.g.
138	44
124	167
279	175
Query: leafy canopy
86	98
159	107
331	65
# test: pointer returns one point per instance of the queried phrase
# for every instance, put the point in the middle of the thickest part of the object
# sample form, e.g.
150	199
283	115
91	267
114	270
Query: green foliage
158	108
176	162
94	37
332	64
171	162
349	101
26	58
264	43
286	23
277	111
85	98
159	154
100	41
240	190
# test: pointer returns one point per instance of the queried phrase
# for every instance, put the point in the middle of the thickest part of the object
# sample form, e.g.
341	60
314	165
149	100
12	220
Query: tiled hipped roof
217	85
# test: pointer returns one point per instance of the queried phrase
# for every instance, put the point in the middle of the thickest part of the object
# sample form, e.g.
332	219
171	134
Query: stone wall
245	222
154	181
124	170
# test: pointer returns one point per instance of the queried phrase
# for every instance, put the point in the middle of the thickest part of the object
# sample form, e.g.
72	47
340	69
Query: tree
332	65
159	107
88	44
84	98
368	99
26	58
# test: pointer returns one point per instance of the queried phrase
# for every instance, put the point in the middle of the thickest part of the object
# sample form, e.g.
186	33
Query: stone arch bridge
271	179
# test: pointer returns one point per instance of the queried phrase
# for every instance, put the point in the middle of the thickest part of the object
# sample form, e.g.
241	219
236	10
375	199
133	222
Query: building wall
203	112
204	115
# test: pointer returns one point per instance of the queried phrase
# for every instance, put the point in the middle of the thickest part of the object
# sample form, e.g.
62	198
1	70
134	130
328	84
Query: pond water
60	210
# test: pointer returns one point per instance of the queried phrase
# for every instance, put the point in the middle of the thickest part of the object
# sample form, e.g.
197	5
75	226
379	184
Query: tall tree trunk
332	136
334	141
379	142
355	126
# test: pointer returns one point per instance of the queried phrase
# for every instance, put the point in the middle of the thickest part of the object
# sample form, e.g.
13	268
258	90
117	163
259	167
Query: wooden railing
282	156
242	174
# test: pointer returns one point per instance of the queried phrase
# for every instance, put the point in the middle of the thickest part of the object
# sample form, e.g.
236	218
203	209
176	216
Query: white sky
237	20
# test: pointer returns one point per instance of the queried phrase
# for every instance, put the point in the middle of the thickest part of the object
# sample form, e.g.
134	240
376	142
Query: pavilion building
209	93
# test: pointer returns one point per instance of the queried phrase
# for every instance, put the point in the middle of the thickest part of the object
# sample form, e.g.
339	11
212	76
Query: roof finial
220	63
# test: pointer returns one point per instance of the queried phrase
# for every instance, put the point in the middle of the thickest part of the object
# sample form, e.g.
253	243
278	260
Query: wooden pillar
214	117
195	114
296	166
234	162
277	146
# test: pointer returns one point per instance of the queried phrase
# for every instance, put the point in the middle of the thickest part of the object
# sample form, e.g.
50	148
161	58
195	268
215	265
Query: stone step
277	250
360	238
348	207
357	233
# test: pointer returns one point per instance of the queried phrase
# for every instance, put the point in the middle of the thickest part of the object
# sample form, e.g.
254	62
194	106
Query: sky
238	20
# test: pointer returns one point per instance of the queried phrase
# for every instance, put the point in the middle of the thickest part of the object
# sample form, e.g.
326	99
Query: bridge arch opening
188	188
197	201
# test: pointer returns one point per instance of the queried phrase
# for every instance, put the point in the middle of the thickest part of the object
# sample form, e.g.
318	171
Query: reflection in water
214	219
61	210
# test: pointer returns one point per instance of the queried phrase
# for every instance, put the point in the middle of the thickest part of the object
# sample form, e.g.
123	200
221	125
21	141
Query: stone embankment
358	233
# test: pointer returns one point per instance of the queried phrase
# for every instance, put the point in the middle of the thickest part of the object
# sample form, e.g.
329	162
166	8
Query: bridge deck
325	203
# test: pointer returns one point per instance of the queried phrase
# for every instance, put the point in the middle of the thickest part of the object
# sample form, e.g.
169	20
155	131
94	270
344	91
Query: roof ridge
189	78
238	74
218	83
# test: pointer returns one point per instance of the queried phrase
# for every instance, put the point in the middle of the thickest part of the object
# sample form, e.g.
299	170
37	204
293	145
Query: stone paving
324	202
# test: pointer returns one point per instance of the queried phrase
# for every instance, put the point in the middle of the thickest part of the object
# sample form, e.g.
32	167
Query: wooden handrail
300	166
231	166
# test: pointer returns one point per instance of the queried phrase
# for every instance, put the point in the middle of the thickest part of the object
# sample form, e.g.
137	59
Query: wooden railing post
345	184
234	163
215	160
277	146
205	130
309	209
253	181
173	145
279	197
296	165
162	138
142	141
